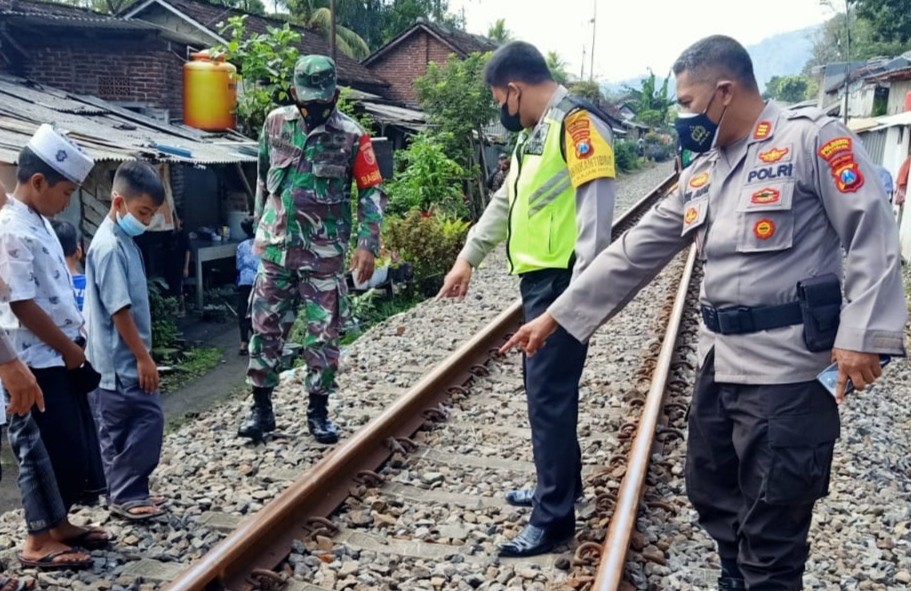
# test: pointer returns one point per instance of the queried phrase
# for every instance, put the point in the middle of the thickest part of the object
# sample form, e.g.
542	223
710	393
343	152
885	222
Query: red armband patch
366	170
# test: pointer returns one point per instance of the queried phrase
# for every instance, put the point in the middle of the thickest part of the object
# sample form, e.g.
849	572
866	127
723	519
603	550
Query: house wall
407	61
897	91
141	71
860	100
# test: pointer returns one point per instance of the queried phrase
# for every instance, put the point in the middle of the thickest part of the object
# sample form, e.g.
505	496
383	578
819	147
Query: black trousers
244	321
758	457
69	435
552	389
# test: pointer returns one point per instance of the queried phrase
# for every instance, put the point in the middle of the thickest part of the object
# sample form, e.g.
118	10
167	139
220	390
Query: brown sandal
49	562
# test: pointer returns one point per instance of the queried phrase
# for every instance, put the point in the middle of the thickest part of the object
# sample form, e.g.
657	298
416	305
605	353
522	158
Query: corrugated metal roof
105	131
42	14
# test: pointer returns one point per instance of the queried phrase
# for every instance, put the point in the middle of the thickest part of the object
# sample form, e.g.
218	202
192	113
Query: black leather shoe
532	541
525	497
731	584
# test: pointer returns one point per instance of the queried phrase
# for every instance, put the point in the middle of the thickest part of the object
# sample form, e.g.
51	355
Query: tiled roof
460	42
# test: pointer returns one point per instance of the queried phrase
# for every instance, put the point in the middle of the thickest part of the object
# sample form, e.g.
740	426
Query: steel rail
262	541
613	552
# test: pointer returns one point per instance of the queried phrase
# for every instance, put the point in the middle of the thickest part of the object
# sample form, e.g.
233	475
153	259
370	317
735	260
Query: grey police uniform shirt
594	212
765	213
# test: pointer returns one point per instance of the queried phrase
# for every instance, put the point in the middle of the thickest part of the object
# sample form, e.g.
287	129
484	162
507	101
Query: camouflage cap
314	78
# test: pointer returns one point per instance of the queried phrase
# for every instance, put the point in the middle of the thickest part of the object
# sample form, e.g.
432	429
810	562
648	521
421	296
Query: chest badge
774	155
699	180
764	229
765	196
690	216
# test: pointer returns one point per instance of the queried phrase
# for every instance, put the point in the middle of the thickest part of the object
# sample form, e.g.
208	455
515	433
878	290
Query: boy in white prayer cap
54	448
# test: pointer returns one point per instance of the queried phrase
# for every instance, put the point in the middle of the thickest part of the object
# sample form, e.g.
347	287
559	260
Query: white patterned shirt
33	267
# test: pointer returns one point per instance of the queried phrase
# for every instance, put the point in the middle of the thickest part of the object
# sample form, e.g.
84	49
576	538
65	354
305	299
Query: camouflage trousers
322	300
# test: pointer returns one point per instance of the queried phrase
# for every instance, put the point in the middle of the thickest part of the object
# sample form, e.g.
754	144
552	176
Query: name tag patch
770	172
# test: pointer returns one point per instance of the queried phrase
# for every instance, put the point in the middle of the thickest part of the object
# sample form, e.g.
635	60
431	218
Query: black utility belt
818	308
744	320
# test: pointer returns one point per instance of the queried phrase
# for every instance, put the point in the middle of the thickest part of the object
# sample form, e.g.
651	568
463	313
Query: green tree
498	31
890	20
557	67
651	102
459	105
428	178
266	65
587	89
789	89
316	15
402	14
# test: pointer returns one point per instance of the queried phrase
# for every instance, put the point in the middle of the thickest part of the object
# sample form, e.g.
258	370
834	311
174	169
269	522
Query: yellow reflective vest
542	201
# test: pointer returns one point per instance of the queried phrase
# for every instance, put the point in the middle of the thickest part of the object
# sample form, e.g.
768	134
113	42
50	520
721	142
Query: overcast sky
641	34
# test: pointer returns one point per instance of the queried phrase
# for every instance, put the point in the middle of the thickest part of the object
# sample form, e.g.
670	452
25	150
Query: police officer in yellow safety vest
771	201
555	212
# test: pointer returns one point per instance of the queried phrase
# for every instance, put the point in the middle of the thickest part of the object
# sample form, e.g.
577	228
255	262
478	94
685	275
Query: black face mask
510	122
316	113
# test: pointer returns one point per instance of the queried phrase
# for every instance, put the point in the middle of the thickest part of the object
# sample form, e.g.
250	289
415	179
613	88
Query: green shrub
626	157
428	179
430	241
659	147
163	309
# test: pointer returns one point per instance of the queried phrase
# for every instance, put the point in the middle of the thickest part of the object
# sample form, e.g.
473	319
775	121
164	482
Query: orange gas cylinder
209	92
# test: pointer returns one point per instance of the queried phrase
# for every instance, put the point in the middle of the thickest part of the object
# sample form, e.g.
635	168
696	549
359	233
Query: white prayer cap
61	154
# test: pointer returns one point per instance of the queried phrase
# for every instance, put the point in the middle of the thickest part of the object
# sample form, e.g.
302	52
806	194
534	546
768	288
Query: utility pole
847	57
332	43
591	72
582	72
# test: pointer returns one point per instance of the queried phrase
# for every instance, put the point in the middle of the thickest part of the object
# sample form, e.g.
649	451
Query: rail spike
267	580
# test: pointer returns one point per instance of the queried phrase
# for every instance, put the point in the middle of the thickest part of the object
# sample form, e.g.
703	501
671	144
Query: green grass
194	364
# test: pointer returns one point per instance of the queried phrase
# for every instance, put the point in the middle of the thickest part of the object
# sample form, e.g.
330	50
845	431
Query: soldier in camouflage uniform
308	157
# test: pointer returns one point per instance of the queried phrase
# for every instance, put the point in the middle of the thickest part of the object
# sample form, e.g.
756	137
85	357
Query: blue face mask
130	225
697	132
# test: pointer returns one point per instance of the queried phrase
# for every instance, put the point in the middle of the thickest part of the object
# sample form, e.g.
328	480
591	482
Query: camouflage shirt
303	192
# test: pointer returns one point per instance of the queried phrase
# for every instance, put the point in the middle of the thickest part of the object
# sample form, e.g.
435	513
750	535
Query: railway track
414	482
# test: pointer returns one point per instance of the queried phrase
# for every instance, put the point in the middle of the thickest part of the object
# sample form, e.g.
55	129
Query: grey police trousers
758	457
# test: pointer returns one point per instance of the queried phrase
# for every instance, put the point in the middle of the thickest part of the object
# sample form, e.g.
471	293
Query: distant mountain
780	55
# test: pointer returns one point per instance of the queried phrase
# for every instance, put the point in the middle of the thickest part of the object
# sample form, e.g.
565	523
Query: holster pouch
820	306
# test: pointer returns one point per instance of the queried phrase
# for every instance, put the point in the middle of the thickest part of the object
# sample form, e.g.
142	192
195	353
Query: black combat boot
261	419
318	421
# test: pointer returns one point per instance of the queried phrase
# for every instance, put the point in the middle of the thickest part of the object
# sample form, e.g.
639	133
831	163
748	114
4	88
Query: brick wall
113	69
408	61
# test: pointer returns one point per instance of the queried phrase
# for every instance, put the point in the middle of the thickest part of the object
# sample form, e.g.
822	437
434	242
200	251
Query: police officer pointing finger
770	202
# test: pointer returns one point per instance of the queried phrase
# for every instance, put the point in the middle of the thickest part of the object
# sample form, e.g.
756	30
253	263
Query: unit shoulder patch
588	155
366	170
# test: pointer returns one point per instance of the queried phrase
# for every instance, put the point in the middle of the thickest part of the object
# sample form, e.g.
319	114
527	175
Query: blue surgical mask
697	131
130	225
